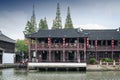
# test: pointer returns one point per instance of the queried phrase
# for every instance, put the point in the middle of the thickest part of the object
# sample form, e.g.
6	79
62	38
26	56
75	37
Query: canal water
13	74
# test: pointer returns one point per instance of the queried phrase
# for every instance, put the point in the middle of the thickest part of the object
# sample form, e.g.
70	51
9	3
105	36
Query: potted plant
92	61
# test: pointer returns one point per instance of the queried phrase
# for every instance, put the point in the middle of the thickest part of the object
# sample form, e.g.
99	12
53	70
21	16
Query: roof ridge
13	41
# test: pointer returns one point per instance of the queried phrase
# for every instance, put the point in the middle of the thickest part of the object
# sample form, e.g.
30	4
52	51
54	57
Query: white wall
8	58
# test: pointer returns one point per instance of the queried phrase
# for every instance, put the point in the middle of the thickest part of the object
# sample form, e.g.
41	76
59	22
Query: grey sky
87	14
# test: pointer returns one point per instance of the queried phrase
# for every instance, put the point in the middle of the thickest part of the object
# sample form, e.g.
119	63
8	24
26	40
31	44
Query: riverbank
98	67
95	67
2	66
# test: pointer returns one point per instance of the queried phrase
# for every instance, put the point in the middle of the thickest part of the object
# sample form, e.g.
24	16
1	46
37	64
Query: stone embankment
98	67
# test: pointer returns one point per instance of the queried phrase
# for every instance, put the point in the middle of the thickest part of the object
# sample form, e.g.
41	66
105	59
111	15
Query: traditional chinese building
7	46
73	45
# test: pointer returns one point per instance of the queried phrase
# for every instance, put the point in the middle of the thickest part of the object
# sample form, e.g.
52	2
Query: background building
7	48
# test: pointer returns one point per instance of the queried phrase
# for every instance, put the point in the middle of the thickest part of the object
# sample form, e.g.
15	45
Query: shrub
92	60
107	60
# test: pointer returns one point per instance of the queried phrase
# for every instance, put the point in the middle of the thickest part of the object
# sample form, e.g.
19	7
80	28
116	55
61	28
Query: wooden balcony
58	46
104	48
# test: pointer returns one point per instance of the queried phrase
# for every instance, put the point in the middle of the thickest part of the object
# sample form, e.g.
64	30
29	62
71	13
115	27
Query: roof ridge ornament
118	29
79	29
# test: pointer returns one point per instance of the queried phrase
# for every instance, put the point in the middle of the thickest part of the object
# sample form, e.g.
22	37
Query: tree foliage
21	47
68	23
43	24
29	28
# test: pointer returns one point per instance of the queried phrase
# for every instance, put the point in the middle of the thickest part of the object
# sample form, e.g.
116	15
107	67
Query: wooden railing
58	46
104	48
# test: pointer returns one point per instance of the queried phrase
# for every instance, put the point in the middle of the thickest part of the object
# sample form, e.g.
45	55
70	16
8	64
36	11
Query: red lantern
95	43
87	42
63	41
49	41
112	44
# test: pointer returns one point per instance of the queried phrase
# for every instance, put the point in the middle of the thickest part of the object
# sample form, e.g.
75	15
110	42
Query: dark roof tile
107	34
6	39
57	33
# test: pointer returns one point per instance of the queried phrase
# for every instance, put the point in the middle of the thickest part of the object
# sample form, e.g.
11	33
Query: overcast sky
87	14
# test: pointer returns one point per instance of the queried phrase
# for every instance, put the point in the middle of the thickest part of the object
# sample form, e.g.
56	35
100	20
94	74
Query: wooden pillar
85	49
63	57
29	49
112	55
112	45
92	42
49	51
101	42
118	43
66	57
49	56
78	57
35	48
75	56
78	54
106	43
96	55
96	45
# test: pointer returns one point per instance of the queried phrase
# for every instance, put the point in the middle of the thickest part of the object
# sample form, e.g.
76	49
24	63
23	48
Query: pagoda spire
68	23
33	18
57	23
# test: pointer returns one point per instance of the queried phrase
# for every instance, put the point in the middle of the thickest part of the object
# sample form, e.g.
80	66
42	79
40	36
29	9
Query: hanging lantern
112	44
95	43
87	42
49	41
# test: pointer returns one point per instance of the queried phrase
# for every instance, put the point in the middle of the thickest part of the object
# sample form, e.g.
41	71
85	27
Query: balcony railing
104	48
58	46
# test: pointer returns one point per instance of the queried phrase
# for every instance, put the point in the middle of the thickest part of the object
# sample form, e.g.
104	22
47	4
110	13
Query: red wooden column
112	42
49	45
85	49
78	54
63	57
36	46
96	49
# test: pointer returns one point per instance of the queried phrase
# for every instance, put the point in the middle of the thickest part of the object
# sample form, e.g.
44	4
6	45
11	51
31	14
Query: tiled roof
5	38
106	34
57	33
1	49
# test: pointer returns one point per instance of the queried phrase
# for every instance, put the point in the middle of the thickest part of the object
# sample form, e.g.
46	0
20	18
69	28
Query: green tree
68	23
21	47
29	28
57	23
43	24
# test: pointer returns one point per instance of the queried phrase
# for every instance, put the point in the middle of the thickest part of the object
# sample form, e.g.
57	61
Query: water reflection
13	74
103	75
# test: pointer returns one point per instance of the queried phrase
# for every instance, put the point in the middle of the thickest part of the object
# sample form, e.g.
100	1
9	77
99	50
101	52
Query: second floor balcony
58	46
104	48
